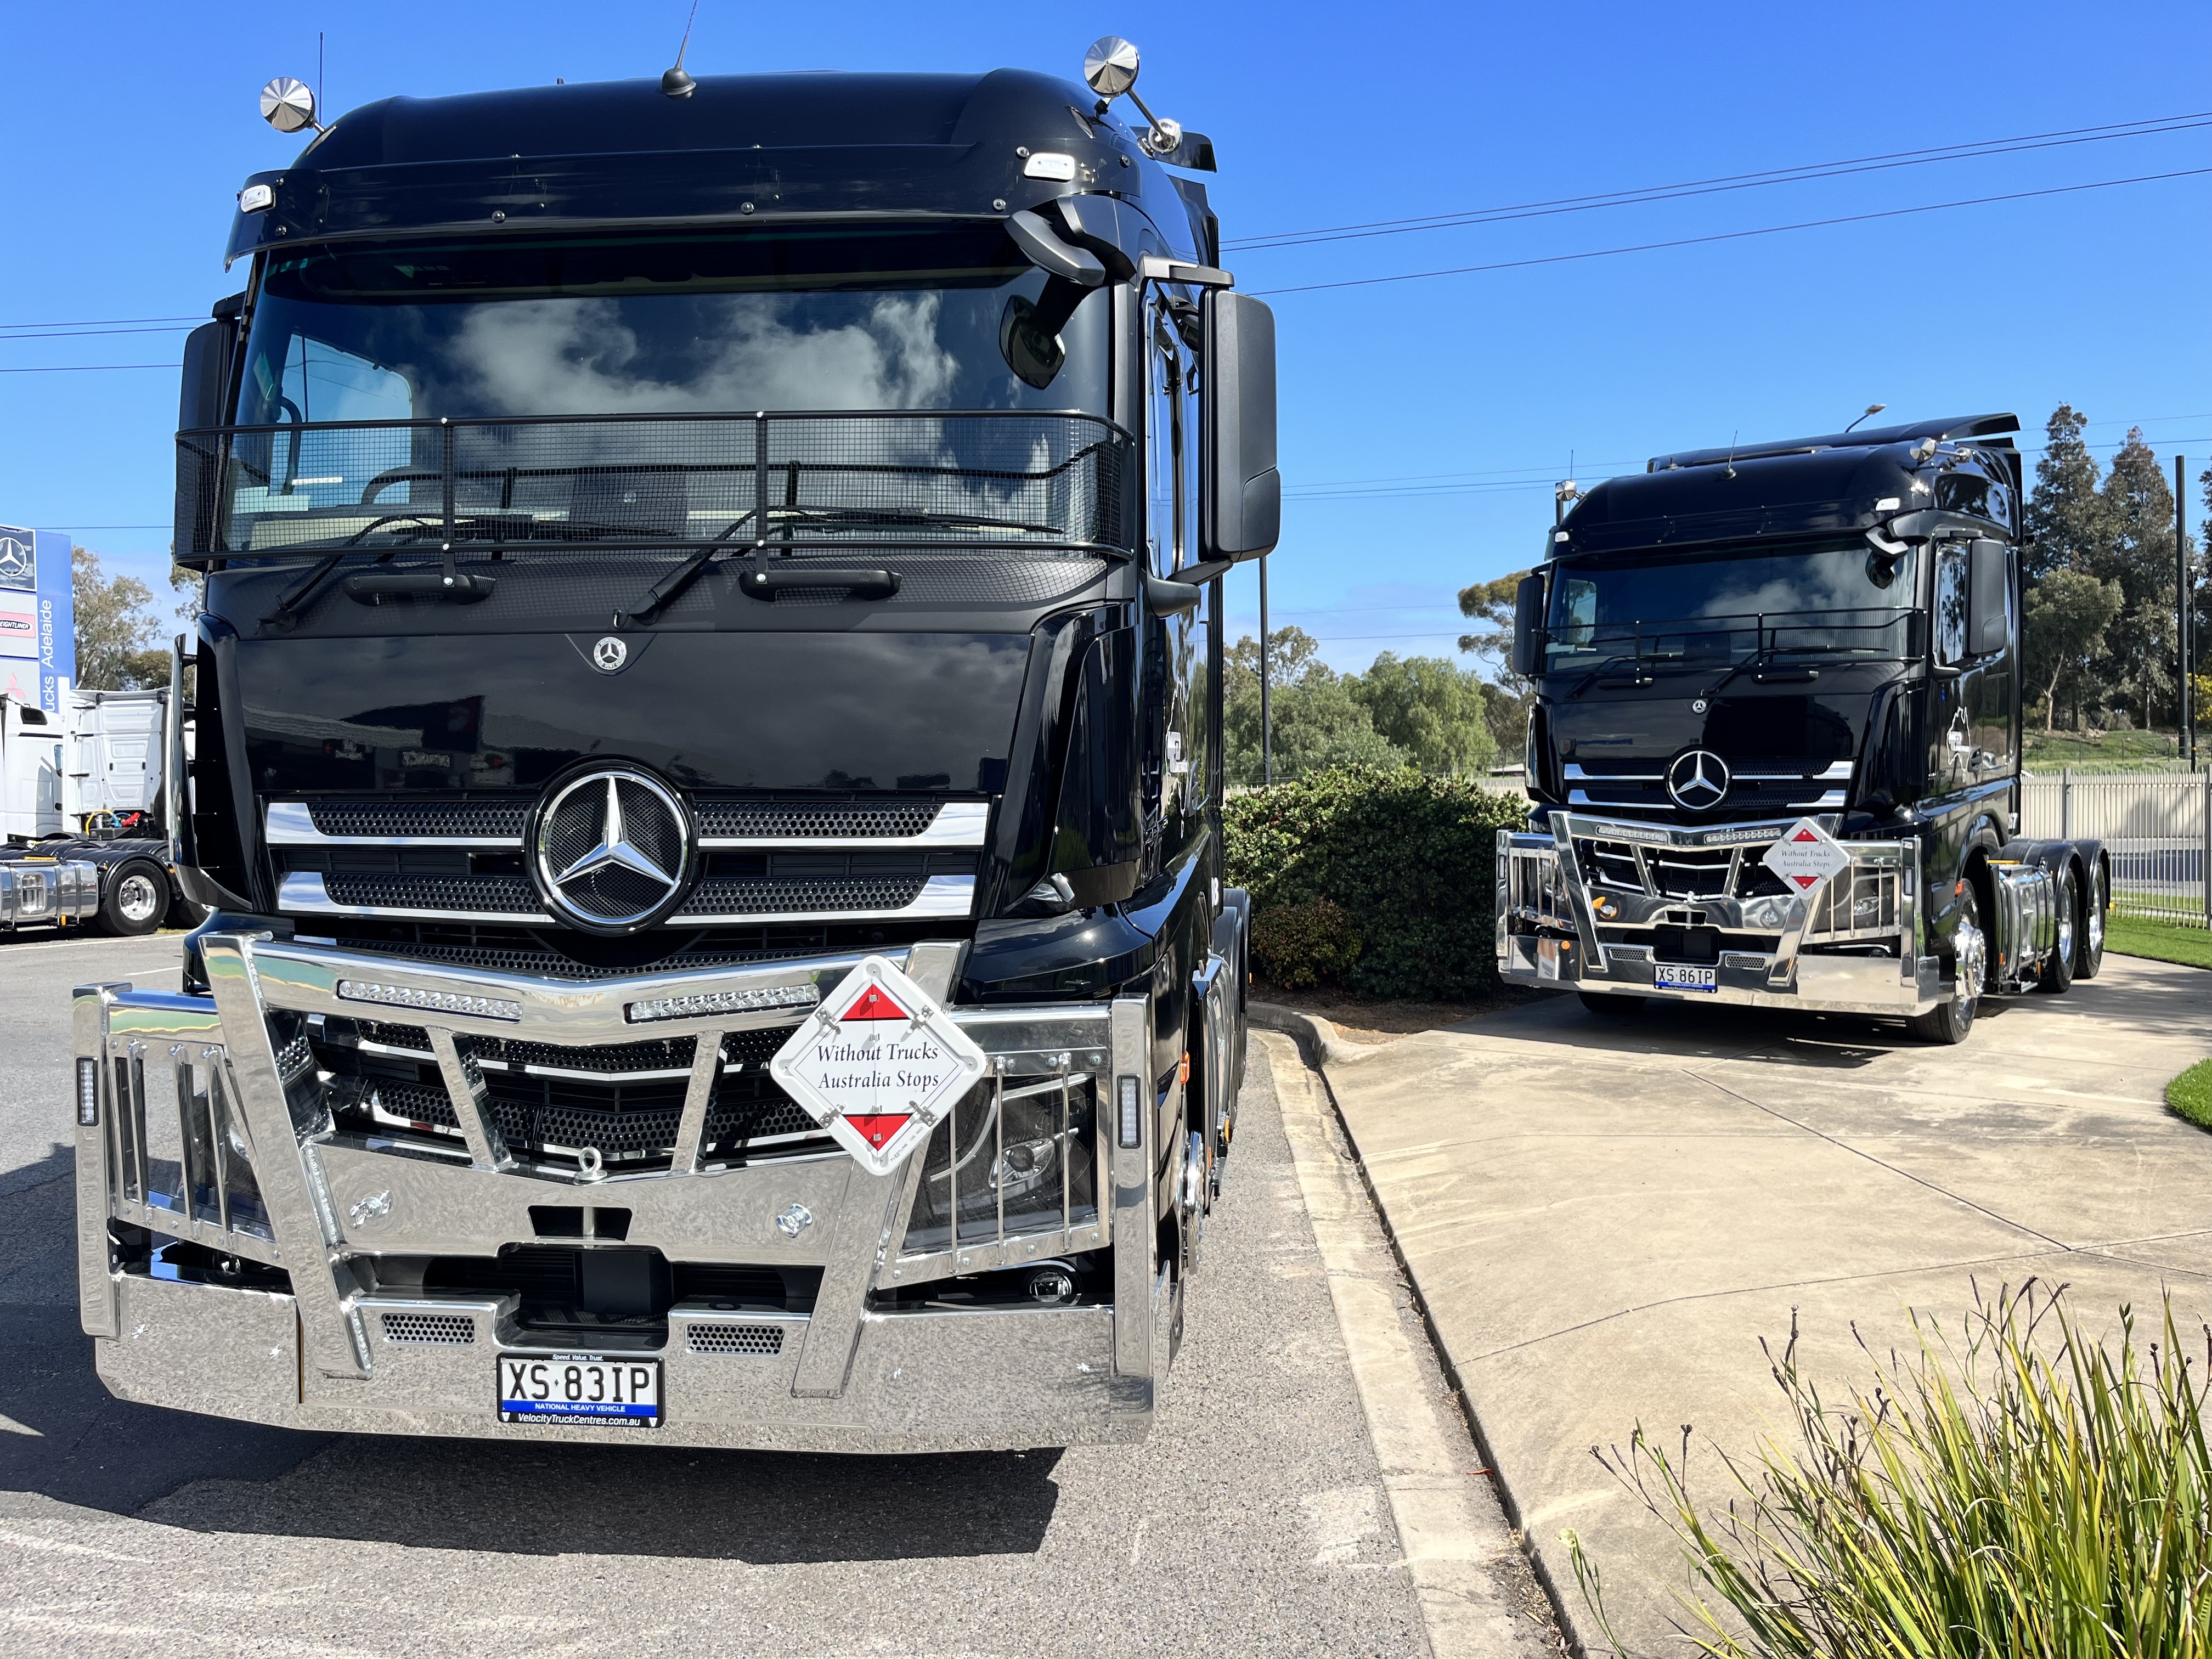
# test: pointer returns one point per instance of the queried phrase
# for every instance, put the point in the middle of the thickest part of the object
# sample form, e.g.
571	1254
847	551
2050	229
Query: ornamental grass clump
2024	1490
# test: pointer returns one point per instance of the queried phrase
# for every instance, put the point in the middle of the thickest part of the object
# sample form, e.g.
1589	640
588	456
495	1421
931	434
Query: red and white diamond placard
1805	856
878	1065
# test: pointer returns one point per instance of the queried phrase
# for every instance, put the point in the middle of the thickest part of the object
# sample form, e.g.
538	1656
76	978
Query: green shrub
2028	1493
1412	859
1300	945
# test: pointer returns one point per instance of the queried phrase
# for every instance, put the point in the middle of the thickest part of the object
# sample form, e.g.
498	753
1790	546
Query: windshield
799	318
665	388
1835	599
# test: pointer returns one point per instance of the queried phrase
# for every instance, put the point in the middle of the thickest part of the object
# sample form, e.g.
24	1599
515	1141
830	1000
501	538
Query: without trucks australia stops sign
1805	856
878	1065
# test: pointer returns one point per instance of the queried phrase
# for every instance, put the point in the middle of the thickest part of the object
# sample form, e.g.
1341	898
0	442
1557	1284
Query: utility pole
1267	731
2184	593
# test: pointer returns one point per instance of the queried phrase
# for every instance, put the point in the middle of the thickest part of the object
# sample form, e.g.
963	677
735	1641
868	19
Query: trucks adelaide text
705	772
1775	739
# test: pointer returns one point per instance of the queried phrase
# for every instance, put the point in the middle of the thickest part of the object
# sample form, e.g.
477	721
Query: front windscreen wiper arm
1638	658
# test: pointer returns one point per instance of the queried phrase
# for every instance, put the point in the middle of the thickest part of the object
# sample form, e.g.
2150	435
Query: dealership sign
38	618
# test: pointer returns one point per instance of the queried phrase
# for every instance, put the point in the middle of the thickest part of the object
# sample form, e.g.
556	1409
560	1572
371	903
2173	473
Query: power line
1737	235
1807	172
98	322
82	368
95	333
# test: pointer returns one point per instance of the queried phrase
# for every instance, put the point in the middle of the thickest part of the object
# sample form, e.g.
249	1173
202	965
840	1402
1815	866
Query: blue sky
1424	420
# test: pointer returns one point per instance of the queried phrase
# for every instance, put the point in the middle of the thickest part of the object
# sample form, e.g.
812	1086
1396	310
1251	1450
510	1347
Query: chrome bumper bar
1598	903
205	1120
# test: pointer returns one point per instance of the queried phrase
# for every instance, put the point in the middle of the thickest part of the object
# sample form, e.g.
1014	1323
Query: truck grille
549	1101
844	817
1679	873
1755	786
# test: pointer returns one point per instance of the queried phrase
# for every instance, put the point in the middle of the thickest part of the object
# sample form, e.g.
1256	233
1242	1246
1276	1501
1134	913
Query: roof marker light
1047	164
256	199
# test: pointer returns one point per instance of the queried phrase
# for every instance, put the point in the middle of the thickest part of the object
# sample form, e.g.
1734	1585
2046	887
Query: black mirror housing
202	395
1244	492
1989	609
1528	626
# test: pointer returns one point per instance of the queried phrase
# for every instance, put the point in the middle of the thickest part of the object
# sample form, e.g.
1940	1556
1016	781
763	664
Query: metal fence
2156	827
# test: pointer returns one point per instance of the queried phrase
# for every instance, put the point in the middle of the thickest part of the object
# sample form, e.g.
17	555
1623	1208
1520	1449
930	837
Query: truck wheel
2057	976
137	899
1610	1004
2089	932
1948	1022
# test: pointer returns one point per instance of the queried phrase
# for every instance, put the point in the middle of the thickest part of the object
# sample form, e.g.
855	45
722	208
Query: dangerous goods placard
878	1065
1805	856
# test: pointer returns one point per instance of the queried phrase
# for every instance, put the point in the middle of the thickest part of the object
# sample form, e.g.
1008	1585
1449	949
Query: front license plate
1687	979
576	1387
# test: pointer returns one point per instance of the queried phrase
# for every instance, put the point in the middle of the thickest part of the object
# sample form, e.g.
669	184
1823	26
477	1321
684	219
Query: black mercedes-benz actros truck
1774	747
670	547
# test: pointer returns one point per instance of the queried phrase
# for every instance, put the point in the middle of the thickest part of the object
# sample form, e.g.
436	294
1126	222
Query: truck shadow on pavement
2171	1004
63	1438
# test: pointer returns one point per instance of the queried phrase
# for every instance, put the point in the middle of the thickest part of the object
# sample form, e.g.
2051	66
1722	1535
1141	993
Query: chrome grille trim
292	824
941	896
957	823
304	893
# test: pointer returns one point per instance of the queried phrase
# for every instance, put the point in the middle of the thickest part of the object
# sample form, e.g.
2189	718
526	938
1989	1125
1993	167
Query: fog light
1052	1285
87	1092
1131	1127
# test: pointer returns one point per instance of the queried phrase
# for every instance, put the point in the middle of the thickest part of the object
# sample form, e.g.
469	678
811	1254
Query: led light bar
442	1002
87	1092
723	1002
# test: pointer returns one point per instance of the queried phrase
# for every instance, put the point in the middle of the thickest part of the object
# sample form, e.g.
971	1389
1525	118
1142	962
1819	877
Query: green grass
2043	753
2189	1095
2019	1490
2161	941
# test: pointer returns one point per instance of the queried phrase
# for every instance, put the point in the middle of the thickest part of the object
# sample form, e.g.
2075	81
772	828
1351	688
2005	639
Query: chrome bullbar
1607	903
213	1121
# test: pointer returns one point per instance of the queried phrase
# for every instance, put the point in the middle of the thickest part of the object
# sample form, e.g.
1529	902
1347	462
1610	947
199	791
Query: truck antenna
1871	409
675	82
1732	436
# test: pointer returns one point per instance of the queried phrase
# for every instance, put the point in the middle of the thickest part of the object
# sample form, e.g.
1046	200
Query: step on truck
705	772
1775	743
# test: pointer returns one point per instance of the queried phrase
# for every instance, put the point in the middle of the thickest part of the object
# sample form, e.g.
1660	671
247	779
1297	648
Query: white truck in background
80	803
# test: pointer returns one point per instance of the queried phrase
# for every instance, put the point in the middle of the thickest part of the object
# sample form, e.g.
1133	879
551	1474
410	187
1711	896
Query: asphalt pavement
1256	1519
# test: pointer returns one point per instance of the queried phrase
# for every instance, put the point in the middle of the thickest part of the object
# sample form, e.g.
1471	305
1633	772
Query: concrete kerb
1319	1047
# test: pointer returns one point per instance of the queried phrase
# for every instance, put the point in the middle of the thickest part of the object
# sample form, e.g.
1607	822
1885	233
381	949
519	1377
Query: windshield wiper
1638	657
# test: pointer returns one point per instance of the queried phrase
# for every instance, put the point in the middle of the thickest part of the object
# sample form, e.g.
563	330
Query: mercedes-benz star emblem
16	557
1697	781
611	850
609	655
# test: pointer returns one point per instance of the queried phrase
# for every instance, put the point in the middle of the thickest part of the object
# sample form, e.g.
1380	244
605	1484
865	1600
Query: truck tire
2089	932
2057	975
1611	1004
136	898
1952	1020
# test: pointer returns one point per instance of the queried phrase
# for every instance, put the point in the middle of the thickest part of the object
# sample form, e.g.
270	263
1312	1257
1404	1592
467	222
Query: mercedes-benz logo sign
17	559
1697	781
609	655
611	850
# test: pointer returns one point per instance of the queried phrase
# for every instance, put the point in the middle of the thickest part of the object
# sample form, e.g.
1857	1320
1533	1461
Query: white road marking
1453	1553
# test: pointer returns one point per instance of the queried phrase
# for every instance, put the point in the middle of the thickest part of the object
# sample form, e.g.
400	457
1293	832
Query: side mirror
1528	626
202	397
1989	611
1244	492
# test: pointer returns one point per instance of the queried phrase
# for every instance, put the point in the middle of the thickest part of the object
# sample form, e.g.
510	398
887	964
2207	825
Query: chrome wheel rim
2066	930
2097	912
1974	964
135	899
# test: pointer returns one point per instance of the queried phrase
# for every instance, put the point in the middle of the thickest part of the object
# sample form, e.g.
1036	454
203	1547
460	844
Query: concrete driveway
1605	1217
